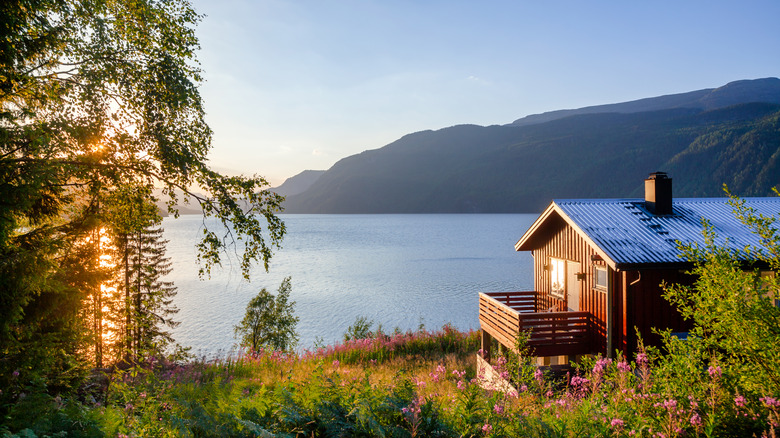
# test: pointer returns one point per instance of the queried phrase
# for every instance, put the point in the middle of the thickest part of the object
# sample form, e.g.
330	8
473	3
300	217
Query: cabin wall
644	308
638	301
566	243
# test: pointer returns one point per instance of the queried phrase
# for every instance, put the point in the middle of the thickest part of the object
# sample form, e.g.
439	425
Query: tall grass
407	385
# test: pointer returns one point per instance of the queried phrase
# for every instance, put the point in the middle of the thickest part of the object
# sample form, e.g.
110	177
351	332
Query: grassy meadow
410	384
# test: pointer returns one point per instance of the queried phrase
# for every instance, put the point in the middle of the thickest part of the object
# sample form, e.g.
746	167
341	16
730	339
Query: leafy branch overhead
103	94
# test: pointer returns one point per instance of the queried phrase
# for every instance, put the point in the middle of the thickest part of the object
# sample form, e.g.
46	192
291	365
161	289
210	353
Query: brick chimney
658	194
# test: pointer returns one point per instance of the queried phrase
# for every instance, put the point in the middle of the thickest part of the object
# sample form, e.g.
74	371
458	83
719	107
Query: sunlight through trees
99	104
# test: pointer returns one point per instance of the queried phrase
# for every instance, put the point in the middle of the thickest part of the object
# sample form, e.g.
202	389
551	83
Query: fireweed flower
617	423
601	365
498	409
487	428
715	371
641	359
739	401
539	376
623	366
695	419
336	363
770	401
579	383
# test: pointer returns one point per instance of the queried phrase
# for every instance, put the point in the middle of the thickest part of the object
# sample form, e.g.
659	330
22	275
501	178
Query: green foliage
99	103
360	329
269	321
272	394
733	306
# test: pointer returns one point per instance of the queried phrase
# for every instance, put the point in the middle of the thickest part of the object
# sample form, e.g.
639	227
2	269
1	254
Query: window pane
557	276
601	277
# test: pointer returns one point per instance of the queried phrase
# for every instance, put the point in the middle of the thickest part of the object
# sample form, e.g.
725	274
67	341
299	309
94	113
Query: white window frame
596	284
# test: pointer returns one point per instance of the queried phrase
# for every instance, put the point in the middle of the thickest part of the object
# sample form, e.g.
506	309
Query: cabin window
558	278
600	277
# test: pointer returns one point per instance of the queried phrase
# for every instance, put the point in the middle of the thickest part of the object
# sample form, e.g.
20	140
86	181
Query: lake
397	270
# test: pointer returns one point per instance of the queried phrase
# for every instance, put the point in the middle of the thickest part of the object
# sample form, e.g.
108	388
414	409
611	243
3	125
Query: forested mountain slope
513	168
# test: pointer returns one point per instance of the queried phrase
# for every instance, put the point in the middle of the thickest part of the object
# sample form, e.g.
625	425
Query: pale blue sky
295	85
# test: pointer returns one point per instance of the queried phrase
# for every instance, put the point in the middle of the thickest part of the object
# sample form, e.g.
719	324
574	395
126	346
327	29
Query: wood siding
565	243
636	304
644	308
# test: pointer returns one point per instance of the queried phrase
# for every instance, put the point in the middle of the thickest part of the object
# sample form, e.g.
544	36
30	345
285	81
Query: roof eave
548	212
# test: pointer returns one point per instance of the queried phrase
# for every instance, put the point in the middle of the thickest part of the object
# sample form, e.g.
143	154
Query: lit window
600	275
557	277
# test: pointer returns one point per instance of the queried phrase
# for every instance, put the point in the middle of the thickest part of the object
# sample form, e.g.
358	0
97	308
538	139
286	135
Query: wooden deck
503	315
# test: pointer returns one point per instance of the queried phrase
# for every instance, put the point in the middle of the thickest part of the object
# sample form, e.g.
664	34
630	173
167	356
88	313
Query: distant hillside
191	207
515	168
298	183
733	93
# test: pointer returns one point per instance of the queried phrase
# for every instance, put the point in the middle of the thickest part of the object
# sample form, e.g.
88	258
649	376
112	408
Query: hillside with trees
521	167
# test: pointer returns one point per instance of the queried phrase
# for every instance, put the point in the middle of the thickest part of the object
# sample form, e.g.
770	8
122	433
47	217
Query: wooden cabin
598	269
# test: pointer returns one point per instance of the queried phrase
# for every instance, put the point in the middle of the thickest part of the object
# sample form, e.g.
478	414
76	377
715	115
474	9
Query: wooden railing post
486	341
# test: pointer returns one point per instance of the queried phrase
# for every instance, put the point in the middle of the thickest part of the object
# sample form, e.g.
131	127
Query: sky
295	85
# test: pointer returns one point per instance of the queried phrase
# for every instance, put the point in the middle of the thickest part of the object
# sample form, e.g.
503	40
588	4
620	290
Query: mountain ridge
765	90
511	168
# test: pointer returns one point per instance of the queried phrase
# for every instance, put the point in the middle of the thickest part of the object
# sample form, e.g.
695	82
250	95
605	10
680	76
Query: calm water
398	270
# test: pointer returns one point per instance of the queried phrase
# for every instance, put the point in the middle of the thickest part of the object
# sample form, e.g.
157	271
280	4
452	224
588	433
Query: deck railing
504	314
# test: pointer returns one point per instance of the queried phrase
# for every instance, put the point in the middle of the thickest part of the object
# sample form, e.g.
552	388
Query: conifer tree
151	306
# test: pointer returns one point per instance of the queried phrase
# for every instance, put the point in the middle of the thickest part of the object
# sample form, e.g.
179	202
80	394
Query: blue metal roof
628	234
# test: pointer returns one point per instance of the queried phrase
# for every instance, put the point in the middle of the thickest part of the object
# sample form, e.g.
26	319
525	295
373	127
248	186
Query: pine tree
150	307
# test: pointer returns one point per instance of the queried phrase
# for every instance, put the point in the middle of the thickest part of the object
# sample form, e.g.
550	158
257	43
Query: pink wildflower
15	373
623	366
696	419
461	385
617	423
539	376
715	371
770	401
739	401
441	369
641	359
336	363
498	409
601	365
487	428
